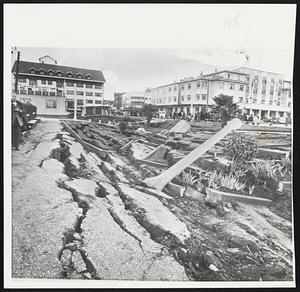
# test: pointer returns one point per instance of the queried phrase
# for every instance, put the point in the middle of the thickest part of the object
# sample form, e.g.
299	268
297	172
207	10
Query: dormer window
42	72
32	71
79	76
59	73
70	75
89	76
50	72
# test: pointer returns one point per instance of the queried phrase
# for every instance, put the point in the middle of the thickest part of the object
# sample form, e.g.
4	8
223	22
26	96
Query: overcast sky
170	41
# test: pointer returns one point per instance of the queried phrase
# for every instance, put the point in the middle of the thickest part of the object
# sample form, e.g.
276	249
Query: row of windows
59	73
72	92
59	83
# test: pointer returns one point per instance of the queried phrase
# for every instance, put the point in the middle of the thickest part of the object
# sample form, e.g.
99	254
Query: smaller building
118	97
133	99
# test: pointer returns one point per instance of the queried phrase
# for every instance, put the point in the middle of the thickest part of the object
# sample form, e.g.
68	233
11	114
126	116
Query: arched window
32	70
79	76
88	76
59	73
70	74
50	72
42	71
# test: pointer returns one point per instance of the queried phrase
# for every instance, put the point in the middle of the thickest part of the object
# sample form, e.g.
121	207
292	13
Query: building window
79	101
42	72
240	99
89	93
89	86
182	98
182	86
169	99
175	99
189	86
70	75
203	96
89	101
79	85
98	87
255	91
30	91
189	98
231	86
262	101
204	84
42	82
89	77
175	88
59	92
51	73
98	101
198	96
50	82
32	71
254	100
38	92
241	87
51	93
70	84
289	104
228	76
271	92
270	102
22	80
170	88
51	103
59	84
98	94
221	85
45	93
247	100
70	92
59	74
279	93
198	84
79	76
79	92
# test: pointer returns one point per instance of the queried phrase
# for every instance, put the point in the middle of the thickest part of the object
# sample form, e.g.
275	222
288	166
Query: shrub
240	148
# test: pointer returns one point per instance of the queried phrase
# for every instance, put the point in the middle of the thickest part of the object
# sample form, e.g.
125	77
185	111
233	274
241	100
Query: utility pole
17	73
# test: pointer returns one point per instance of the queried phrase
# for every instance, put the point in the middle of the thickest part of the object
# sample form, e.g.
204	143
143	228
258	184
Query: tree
148	110
225	107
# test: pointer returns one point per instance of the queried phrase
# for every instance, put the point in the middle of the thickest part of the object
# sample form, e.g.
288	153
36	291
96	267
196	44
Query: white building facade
258	93
54	88
133	99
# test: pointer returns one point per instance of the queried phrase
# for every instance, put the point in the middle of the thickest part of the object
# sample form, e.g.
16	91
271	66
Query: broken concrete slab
113	174
72	166
217	196
174	189
154	213
181	127
84	187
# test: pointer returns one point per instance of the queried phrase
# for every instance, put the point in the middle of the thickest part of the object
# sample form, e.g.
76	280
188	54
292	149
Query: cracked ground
76	216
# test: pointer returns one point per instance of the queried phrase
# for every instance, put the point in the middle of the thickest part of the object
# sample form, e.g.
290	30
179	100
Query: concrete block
175	190
216	196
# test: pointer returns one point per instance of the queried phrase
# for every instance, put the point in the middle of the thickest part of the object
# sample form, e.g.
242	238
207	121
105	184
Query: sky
140	46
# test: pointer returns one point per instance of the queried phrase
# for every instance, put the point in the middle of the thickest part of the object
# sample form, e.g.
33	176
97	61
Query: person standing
17	122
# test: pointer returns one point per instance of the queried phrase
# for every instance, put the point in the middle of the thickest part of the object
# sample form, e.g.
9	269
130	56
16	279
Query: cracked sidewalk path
43	211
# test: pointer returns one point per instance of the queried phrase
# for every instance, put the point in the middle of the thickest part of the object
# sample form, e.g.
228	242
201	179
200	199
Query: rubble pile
224	241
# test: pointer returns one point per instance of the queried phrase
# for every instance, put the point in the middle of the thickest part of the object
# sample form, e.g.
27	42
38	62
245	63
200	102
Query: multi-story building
268	95
133	99
192	95
54	88
260	93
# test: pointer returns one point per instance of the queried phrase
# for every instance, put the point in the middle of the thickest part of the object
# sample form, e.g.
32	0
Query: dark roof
24	67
